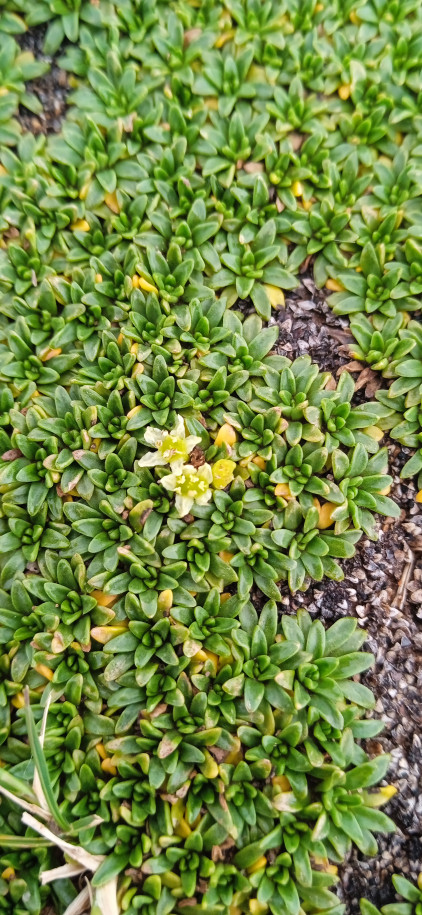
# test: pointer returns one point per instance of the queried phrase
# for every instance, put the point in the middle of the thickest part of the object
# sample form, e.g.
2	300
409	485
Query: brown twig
400	598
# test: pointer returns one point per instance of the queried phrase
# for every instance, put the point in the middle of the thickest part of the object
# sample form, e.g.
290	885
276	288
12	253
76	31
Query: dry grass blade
44	784
105	899
79	905
31	808
37	787
62	872
75	852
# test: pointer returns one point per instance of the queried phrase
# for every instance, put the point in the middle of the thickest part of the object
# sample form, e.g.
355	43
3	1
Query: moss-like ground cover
165	477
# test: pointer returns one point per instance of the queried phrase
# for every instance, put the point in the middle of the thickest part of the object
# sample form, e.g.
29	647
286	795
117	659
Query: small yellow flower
222	473
173	447
190	484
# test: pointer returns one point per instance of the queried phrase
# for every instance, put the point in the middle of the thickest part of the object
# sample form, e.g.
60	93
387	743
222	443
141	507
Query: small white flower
172	447
190	484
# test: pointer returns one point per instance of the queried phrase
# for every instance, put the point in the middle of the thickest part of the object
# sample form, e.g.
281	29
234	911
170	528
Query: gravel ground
383	582
383	588
51	89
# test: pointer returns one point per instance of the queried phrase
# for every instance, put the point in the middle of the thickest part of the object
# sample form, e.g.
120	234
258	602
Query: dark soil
308	327
383	587
52	89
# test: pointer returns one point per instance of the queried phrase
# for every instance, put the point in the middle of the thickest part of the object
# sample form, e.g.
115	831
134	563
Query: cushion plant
168	476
